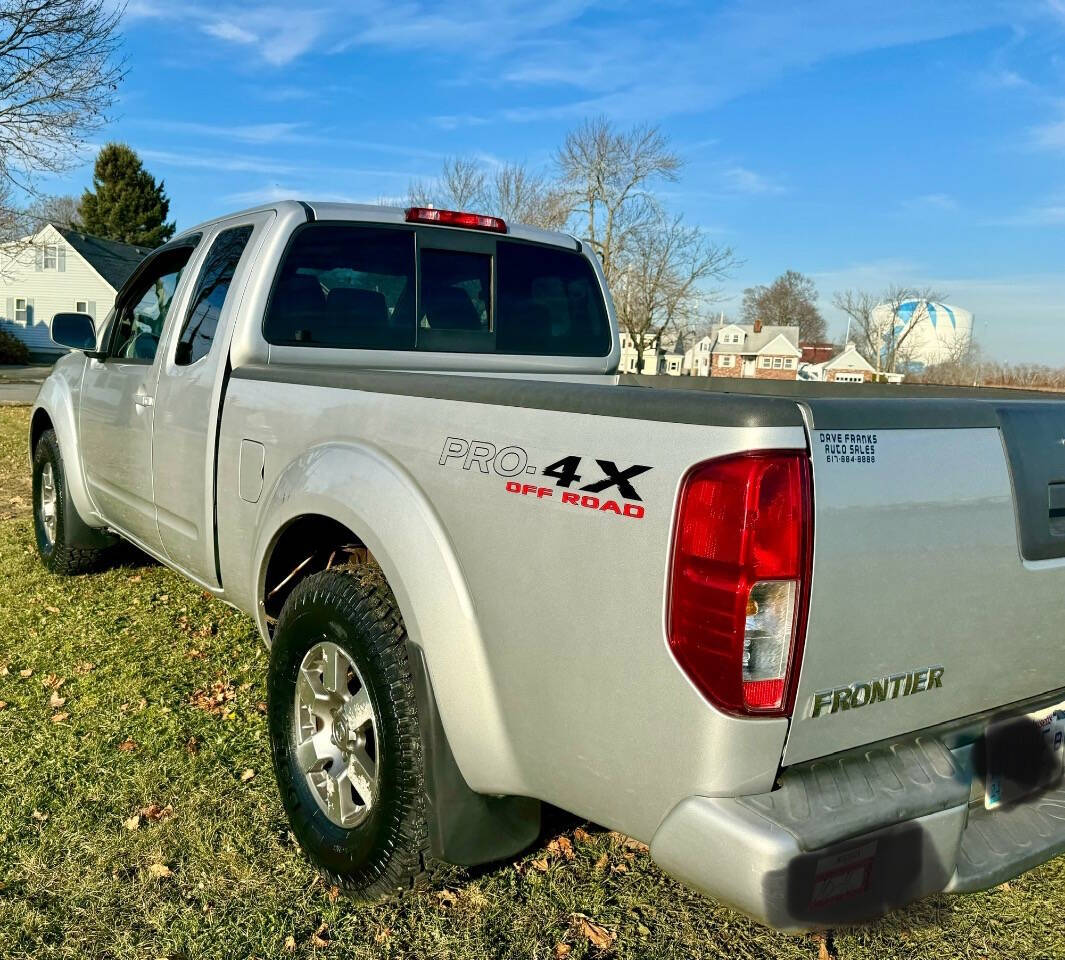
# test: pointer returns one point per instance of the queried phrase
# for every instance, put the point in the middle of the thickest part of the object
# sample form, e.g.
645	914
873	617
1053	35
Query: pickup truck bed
780	634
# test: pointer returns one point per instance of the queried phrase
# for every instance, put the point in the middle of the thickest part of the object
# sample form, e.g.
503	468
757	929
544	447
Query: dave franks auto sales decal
848	448
583	483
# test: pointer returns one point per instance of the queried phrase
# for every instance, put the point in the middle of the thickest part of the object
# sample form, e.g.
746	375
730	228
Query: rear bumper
851	837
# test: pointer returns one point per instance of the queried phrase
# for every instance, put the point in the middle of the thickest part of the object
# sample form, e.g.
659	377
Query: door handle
143	400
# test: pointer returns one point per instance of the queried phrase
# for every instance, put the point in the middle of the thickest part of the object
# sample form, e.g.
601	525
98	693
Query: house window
849	378
789	363
726	360
81	306
766	362
21	313
778	362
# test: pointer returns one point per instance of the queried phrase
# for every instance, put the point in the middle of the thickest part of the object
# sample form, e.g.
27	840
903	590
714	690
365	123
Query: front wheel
344	732
55	518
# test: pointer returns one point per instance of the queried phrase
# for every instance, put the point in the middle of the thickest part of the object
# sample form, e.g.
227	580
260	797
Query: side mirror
74	330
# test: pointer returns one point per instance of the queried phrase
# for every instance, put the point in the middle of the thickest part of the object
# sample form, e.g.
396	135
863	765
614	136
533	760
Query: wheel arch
352	492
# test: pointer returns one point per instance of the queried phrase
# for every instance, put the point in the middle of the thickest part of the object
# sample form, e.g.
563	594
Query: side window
144	307
345	286
197	334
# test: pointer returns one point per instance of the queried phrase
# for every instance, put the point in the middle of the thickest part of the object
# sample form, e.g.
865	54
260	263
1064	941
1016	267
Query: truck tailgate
938	588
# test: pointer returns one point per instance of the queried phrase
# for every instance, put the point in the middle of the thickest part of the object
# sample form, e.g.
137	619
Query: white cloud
227	30
742	180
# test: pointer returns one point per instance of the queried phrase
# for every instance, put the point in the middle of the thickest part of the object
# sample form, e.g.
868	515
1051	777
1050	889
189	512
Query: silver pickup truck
809	647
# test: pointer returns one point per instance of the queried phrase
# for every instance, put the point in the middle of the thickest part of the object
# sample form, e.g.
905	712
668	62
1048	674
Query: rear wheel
344	732
55	518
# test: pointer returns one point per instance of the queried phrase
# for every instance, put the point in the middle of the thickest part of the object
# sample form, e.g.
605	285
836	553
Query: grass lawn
139	815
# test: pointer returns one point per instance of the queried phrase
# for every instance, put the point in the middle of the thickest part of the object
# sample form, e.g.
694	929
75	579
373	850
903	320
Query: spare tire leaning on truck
344	732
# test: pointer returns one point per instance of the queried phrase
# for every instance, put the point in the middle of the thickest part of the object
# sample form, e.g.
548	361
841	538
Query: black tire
387	853
62	554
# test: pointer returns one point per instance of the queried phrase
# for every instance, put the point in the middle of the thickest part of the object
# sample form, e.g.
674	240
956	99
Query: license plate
1024	754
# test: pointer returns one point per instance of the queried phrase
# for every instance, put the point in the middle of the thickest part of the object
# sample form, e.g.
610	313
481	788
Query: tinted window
344	286
198	333
455	309
549	303
144	307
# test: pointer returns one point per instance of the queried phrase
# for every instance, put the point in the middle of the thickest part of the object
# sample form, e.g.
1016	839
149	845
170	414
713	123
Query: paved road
20	384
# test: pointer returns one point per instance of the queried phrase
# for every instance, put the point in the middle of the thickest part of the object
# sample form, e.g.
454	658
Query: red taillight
740	578
456	218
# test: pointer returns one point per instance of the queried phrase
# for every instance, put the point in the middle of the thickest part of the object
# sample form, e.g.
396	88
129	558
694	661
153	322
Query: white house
59	270
658	357
849	366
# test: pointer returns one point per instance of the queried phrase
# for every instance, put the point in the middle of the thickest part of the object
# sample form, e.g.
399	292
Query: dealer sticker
856	449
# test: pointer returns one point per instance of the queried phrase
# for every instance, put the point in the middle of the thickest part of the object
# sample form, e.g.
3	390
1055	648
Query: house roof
849	359
757	342
112	260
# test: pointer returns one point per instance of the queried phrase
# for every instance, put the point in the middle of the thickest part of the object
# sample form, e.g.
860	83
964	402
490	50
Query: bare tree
877	326
656	266
511	191
661	286
789	301
58	76
609	175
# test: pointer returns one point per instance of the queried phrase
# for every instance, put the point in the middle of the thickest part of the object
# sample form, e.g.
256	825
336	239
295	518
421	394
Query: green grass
222	876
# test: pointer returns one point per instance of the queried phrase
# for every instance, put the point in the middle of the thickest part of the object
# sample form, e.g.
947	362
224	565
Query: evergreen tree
126	203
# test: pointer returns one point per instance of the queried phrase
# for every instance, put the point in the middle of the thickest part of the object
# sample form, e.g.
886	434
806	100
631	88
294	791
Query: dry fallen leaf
320	937
3	704
382	935
159	871
562	950
136	578
25	674
4	669
447	897
53	681
84	667
127	746
581	835
39	817
247	775
540	865
289	945
55	701
52	609
213	699
153	813
333	893
561	847
60	717
133	822
602	862
597	935
823	951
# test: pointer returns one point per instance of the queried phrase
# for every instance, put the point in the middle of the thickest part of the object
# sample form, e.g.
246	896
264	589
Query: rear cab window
383	287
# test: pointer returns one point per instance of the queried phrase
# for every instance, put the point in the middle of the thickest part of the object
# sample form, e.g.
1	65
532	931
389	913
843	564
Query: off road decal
600	484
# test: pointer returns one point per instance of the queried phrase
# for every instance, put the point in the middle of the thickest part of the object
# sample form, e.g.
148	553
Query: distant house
849	366
59	270
659	356
745	350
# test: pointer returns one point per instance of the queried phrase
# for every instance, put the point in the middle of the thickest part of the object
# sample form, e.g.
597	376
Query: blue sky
862	143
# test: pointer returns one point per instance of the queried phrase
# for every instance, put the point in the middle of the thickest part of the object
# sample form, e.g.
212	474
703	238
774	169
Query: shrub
12	350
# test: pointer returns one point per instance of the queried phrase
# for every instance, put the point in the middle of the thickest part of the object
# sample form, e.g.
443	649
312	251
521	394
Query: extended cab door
189	396
118	397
